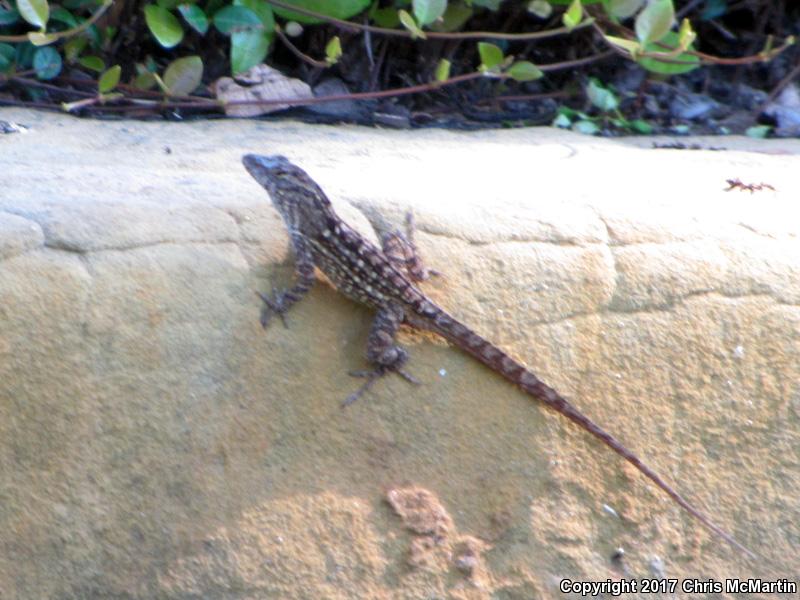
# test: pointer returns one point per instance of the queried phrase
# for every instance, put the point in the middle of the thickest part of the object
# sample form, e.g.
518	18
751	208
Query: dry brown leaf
259	83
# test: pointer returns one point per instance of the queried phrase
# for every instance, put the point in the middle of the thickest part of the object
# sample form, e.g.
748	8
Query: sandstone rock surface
156	443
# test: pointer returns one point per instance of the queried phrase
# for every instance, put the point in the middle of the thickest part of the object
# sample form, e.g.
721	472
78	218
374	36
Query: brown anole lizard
384	279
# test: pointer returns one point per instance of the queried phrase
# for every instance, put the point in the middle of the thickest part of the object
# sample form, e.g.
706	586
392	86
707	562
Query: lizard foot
273	305
372	376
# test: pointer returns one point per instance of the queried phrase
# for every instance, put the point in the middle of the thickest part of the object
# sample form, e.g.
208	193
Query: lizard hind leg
382	352
402	252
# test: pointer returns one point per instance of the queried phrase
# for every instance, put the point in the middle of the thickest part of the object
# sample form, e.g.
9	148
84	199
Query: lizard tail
497	360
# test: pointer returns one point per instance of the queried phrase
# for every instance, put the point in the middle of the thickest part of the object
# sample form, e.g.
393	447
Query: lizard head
299	200
287	184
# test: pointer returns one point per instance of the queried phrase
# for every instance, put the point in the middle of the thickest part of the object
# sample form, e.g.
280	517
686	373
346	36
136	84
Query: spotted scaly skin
384	280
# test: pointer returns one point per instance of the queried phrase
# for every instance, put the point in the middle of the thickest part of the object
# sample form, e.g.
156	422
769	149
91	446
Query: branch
319	64
467	35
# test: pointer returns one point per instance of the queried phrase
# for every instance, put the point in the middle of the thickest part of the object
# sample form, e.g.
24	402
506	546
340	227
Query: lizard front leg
382	351
280	302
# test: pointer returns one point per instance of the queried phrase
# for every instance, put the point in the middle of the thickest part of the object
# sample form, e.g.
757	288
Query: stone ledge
155	442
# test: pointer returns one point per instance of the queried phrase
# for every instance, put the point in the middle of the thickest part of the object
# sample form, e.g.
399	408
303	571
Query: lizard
385	280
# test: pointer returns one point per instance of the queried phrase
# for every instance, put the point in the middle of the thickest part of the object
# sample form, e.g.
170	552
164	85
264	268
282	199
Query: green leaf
629	45
262	10
454	18
62	15
623	9
183	75
144	81
109	80
686	35
8	16
491	55
385	17
641	126
443	70
540	8
25	52
7	55
195	17
333	50
338	9
93	63
427	11
35	12
572	113
525	71
233	19
94	36
212	6
586	127
248	48
562	121
682	63
164	26
74	46
409	23
601	97
47	62
573	15
655	21
39	38
758	131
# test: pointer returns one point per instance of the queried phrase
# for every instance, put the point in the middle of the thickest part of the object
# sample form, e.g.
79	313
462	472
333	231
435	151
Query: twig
704	58
466	35
24	104
297	52
526	97
52	88
199	102
779	88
